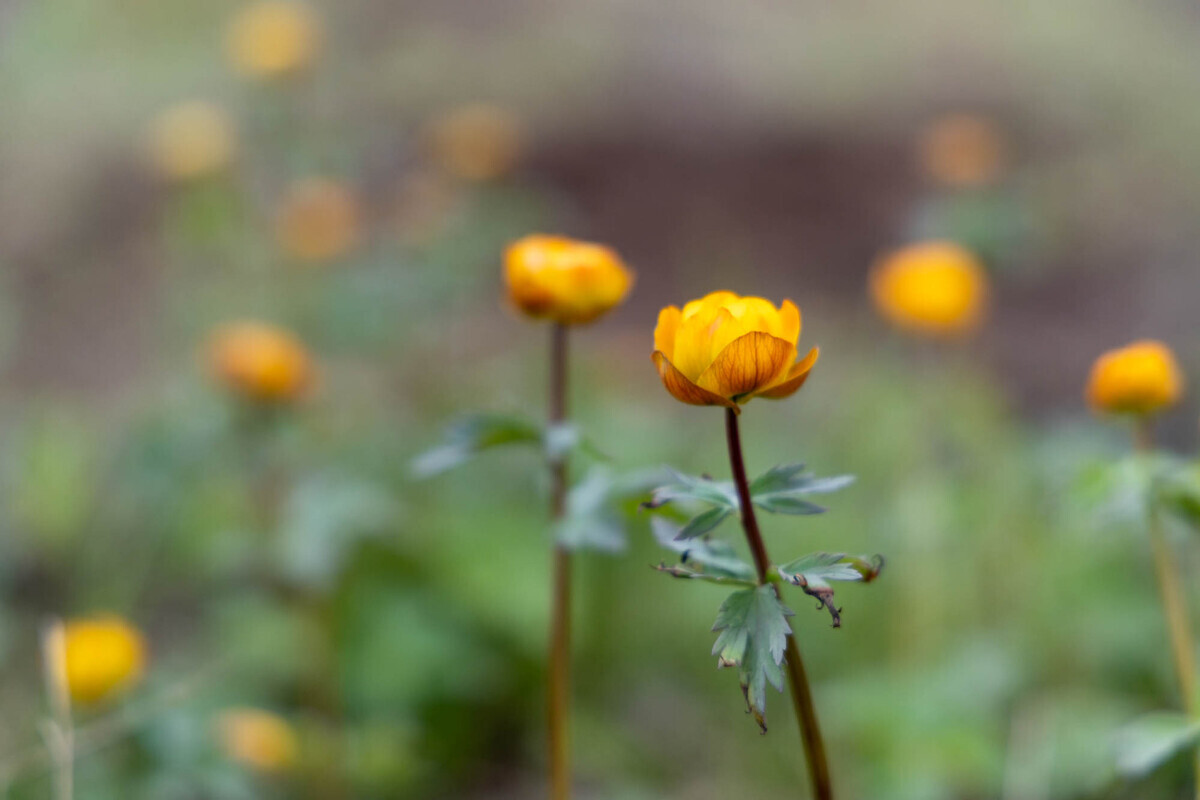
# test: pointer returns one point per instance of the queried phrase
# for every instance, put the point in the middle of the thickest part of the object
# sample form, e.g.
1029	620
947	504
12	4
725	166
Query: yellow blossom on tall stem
104	656
258	739
478	142
191	140
1140	378
273	38
260	362
564	280
318	221
932	288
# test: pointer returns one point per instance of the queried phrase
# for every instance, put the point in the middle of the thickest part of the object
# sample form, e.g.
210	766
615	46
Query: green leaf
700	489
752	632
1145	744
815	572
591	521
714	558
1179	494
782	488
473	434
703	523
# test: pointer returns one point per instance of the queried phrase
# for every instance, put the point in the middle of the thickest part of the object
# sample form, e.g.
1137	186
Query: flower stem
559	682
802	701
1174	599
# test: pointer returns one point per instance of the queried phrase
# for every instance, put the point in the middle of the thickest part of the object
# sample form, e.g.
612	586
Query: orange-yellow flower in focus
962	150
564	280
724	349
191	140
257	739
1141	378
476	142
318	220
104	655
273	38
935	288
260	362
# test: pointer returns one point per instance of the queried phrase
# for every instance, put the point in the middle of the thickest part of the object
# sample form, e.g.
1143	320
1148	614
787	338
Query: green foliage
1145	744
713	560
752	632
471	435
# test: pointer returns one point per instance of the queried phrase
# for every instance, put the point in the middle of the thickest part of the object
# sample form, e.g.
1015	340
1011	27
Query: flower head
564	280
191	140
724	349
273	38
103	655
477	142
257	739
1141	378
260	362
934	288
318	220
962	150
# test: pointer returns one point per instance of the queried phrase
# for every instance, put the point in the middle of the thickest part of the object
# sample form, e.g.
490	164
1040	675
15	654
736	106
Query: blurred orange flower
318	220
257	739
1141	378
564	280
273	38
935	288
724	349
191	140
962	150
104	655
260	362
476	142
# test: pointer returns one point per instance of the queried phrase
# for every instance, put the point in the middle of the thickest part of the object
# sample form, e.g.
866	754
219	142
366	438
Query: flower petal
749	363
664	332
796	377
789	322
683	389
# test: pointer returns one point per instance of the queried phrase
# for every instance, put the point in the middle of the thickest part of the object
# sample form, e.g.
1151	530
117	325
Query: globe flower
932	288
273	38
1141	378
191	140
962	150
260	362
257	739
564	280
318	221
475	143
724	350
104	656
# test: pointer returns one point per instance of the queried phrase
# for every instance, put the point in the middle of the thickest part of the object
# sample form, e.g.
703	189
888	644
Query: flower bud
273	38
191	140
104	656
318	221
257	739
1141	378
932	288
260	362
962	150
564	280
476	142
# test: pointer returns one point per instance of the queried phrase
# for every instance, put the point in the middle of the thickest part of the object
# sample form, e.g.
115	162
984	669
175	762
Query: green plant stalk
559	681
802	700
1174	599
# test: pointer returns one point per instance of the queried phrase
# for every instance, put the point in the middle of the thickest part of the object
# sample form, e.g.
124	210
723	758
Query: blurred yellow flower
476	142
564	280
962	150
1141	378
318	220
191	140
273	38
257	739
724	349
260	362
104	655
935	288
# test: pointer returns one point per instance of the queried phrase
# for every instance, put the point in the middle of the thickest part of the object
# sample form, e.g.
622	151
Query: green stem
802	700
559	683
1174	599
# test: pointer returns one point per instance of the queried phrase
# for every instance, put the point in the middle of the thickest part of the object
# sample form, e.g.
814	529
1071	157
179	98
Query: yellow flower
273	38
257	739
1141	378
935	288
104	655
724	349
476	142
260	362
561	279
318	220
962	150
191	140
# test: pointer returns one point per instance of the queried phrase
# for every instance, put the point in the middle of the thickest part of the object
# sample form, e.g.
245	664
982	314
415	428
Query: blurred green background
289	561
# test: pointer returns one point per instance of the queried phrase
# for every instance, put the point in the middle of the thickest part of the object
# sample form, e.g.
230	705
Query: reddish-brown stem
559	682
802	700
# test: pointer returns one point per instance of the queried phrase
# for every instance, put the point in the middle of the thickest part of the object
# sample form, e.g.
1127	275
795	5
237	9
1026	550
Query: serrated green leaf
1145	744
818	569
713	557
783	504
776	478
473	434
782	489
704	522
591	521
752	635
690	487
